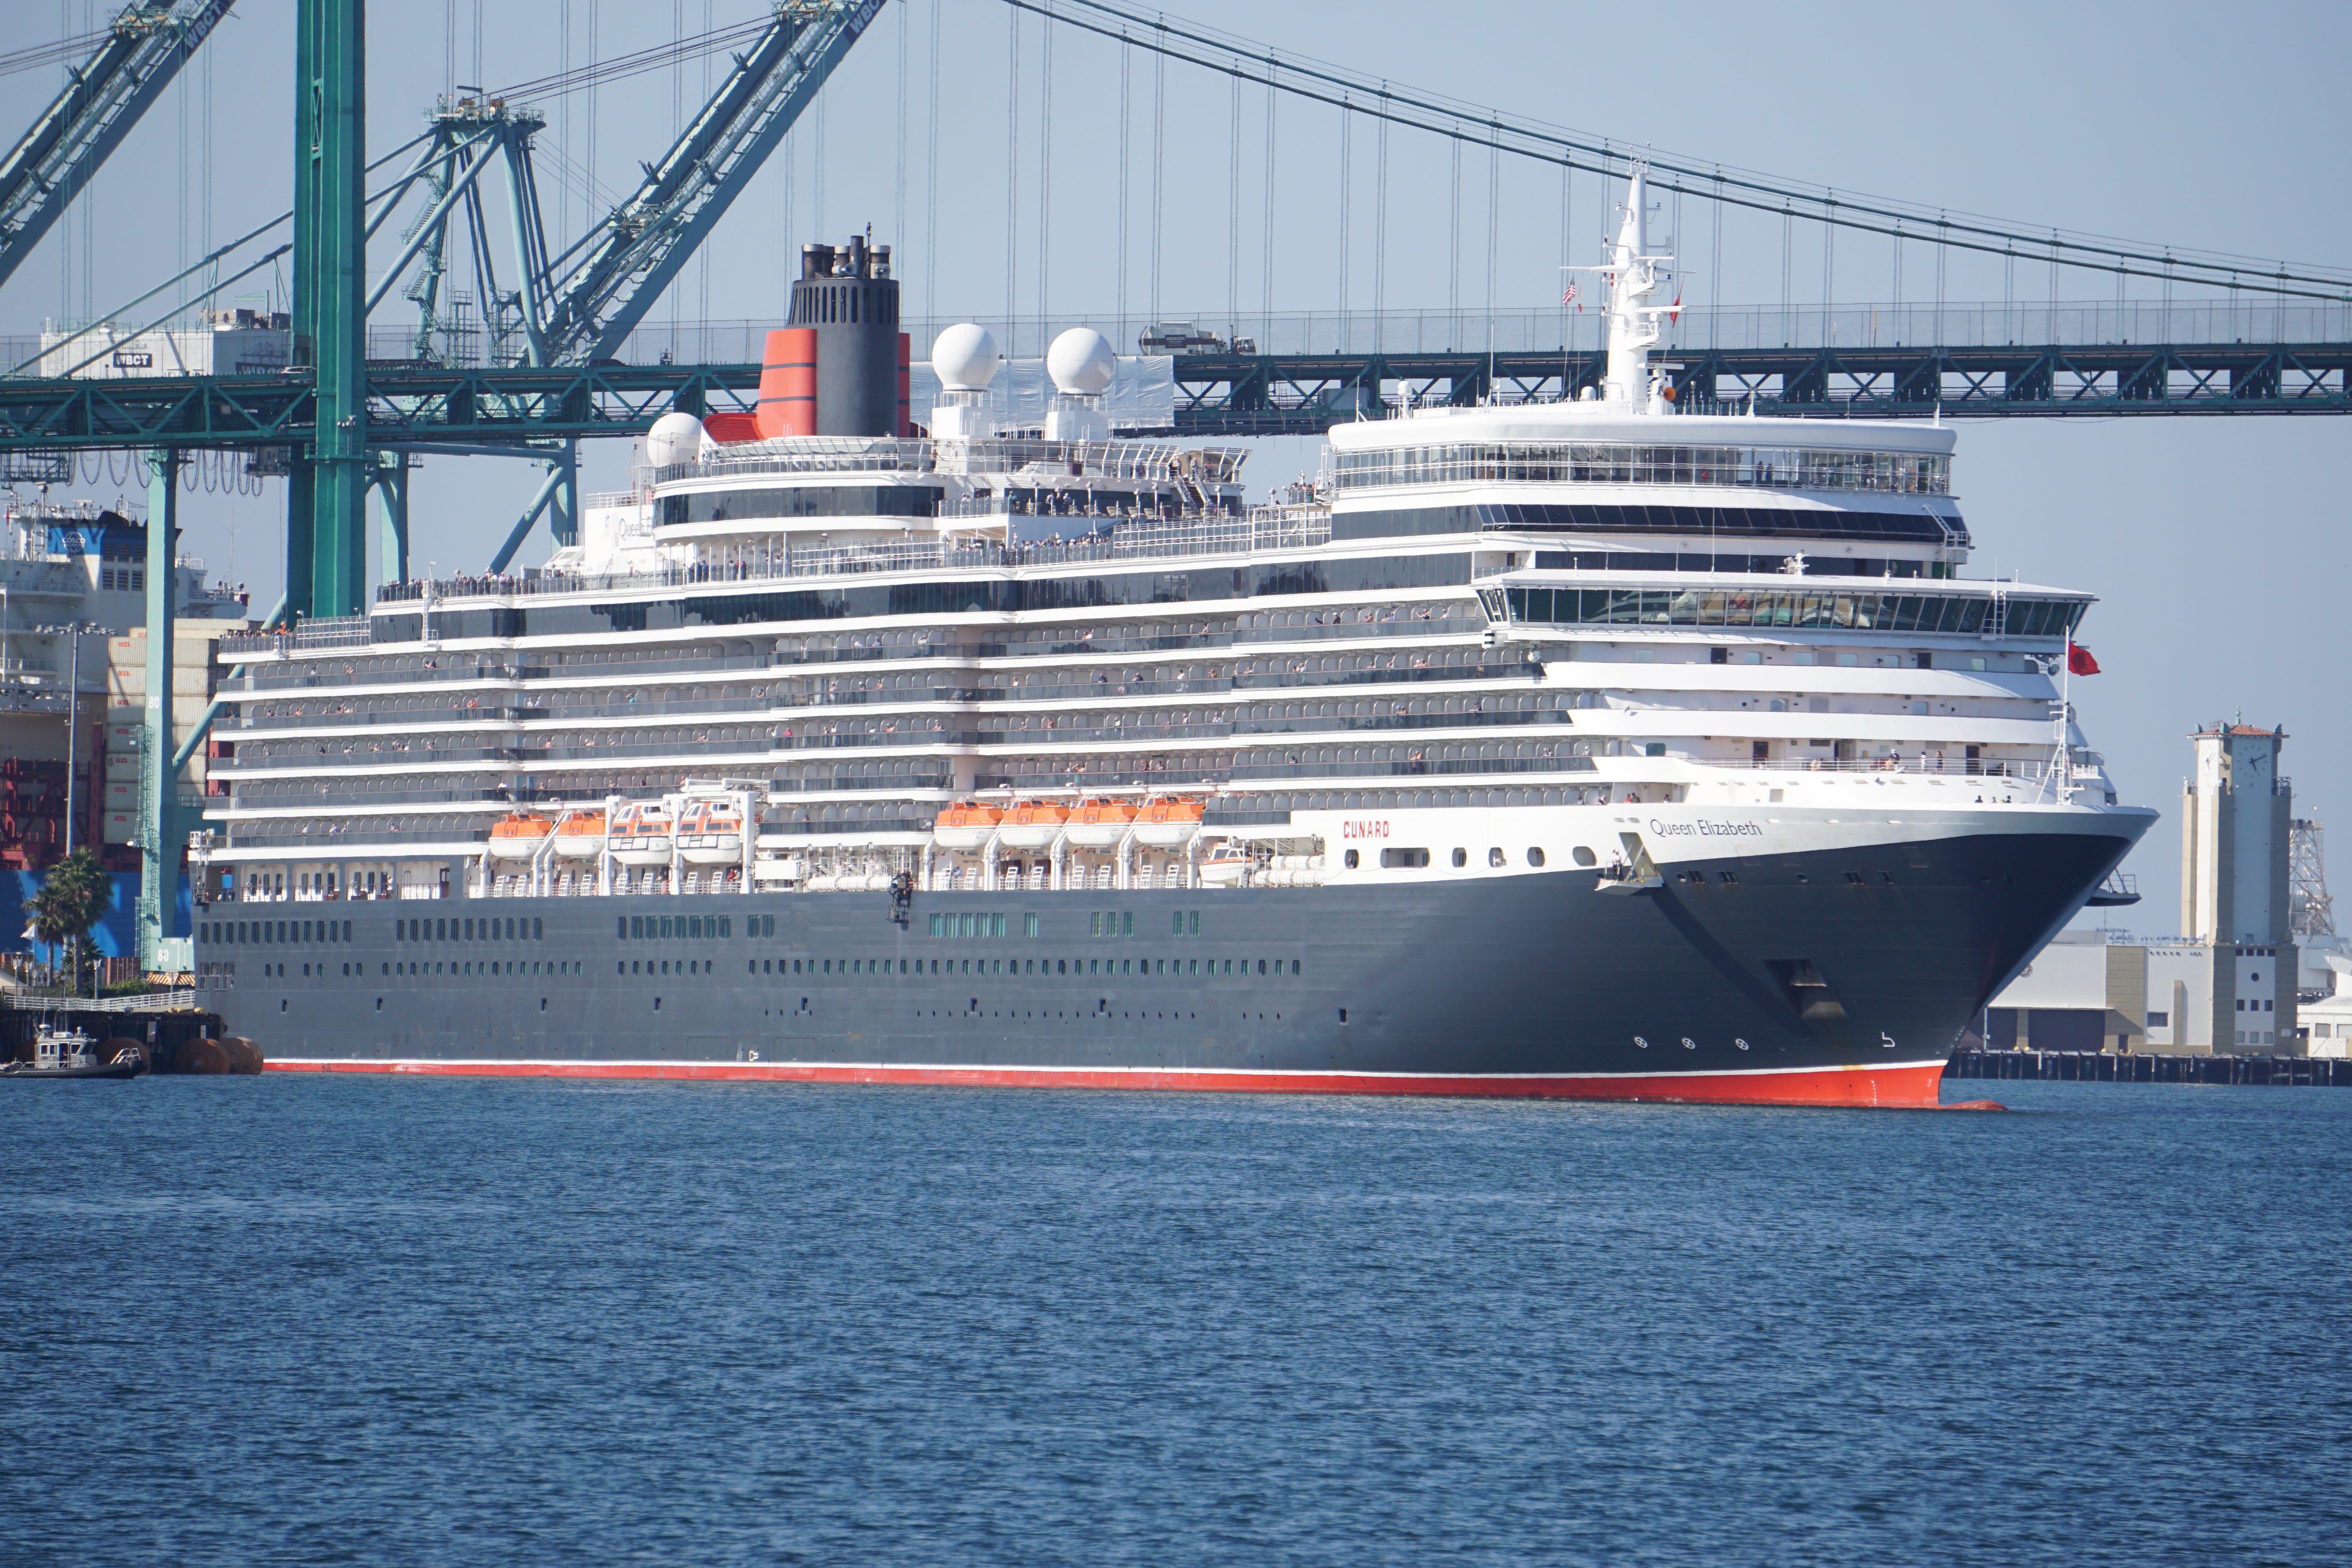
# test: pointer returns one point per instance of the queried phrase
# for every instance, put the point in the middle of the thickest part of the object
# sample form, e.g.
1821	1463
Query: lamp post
72	631
73	722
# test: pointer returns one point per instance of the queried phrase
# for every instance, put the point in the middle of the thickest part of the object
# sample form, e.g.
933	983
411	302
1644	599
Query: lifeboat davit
517	835
1166	823
579	835
1100	824
641	834
711	833
1032	824
967	825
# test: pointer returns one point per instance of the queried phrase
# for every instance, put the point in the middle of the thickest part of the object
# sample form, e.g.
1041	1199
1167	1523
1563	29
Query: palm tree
70	900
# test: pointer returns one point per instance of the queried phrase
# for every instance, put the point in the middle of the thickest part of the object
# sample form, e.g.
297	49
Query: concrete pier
2142	1066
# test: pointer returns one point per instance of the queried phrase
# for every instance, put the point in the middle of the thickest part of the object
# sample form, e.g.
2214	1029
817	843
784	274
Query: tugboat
69	1053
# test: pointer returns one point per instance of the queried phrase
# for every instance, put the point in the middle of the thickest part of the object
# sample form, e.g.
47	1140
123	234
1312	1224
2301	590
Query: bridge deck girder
1217	395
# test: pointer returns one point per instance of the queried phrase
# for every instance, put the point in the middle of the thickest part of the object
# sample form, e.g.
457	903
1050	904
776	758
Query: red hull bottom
1912	1084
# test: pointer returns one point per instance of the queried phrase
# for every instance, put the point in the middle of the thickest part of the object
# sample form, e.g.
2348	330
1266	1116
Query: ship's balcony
251	760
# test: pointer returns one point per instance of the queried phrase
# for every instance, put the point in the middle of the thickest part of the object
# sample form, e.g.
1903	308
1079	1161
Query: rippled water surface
356	1319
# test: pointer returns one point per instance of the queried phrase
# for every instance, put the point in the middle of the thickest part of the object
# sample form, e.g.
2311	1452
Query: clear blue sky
2219	547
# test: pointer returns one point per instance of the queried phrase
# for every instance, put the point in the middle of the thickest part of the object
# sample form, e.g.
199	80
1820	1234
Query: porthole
1535	858
1461	857
1495	858
1352	859
1584	857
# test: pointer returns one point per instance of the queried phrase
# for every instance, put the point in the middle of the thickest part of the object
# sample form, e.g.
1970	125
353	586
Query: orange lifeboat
579	835
518	834
1167	824
1100	824
1032	824
967	825
711	833
641	834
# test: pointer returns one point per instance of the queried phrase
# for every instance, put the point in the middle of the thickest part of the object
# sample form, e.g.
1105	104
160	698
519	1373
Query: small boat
1167	824
967	825
69	1052
1033	825
1100	824
711	833
1226	866
517	835
579	835
641	833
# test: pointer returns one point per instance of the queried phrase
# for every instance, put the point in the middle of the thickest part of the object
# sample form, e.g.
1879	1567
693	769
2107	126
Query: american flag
1568	296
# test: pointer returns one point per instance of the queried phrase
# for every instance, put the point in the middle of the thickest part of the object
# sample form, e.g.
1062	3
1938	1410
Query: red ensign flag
2079	660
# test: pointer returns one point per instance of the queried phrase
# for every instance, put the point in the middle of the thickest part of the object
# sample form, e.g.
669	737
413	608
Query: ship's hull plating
1839	976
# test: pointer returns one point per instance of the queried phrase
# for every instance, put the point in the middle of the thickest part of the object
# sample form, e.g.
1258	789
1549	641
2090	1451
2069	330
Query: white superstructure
1619	619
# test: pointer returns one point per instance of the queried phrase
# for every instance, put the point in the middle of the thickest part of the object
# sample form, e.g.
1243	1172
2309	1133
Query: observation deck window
1625	463
1966	615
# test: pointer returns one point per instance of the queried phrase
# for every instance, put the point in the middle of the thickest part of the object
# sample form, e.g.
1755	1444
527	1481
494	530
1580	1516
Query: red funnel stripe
787	403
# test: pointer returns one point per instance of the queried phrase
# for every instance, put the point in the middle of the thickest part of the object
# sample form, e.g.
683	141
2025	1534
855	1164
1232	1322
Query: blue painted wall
115	935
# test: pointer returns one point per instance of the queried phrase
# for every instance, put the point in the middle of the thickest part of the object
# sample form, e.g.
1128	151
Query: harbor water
325	1319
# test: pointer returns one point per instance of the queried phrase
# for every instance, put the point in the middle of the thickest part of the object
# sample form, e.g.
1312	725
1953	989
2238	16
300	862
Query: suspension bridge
522	345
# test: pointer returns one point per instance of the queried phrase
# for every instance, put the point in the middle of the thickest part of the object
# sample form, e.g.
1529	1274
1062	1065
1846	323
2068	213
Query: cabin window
1350	859
1535	858
1461	857
1404	859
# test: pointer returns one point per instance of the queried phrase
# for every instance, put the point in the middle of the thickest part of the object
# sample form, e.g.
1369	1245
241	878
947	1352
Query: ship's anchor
902	898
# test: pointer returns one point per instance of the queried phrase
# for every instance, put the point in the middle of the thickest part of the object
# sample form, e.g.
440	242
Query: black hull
1844	974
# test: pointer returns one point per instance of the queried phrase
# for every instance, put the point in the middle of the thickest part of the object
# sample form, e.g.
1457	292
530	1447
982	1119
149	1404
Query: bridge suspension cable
1215	51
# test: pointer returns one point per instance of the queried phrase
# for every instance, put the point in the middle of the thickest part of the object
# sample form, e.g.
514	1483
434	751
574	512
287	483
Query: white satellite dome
964	358
1081	363
675	438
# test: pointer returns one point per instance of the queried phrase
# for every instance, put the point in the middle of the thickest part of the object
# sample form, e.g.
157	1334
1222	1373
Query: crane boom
598	299
54	161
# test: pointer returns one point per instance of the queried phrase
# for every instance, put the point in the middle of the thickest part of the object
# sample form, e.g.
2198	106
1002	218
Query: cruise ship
1593	748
